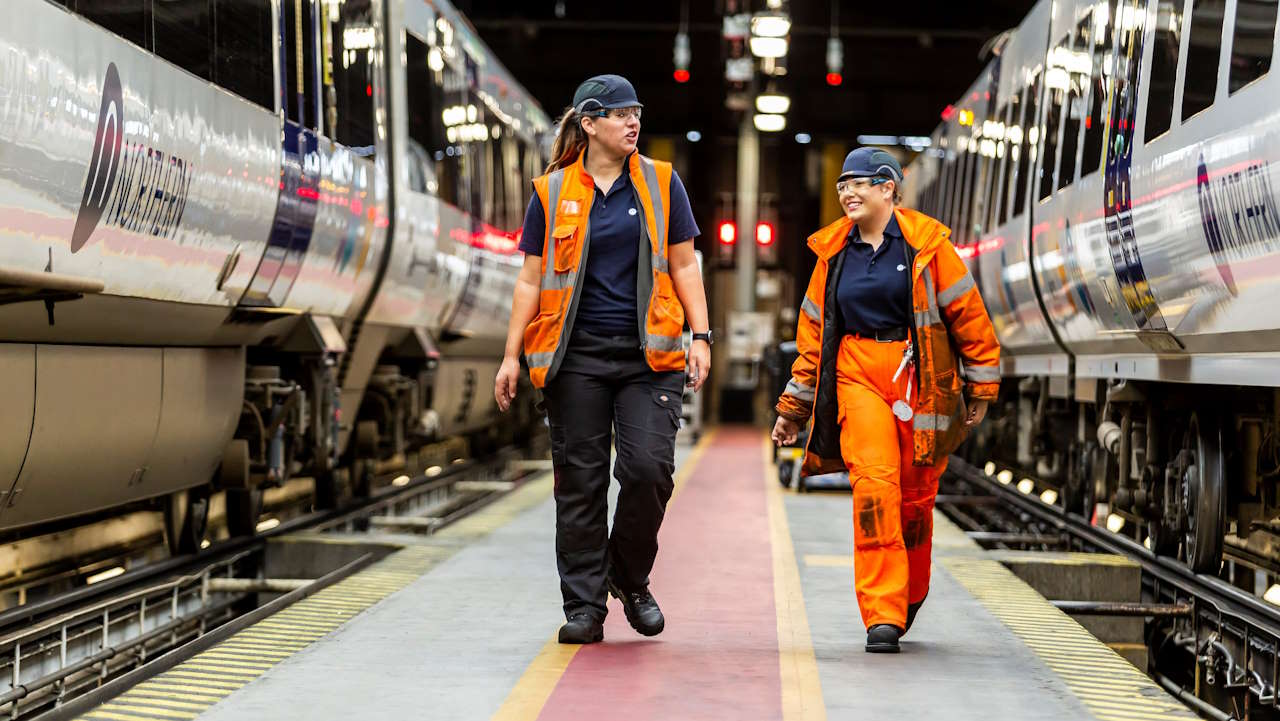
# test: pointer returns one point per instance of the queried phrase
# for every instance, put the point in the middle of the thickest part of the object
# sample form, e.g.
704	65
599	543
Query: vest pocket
565	237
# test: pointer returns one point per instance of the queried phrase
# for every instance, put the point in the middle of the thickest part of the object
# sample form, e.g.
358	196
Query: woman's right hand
785	431
504	386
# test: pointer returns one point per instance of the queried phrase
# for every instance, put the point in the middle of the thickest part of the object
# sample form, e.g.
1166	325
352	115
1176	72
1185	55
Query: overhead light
435	60
433	471
923	141
773	103
104	575
768	123
1050	496
267	525
400	481
769	47
770	25
1272	596
1005	476
1026	485
878	139
693	136
803	138
989	469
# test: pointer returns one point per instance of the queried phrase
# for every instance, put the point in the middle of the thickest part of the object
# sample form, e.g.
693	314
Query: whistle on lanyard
902	408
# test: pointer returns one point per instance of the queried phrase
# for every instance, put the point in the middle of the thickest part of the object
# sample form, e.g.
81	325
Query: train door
298	77
1131	21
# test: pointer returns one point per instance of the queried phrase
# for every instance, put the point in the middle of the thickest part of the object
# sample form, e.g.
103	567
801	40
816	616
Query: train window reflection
1057	79
1251	46
183	34
131	21
242	47
1200	79
1028	145
1078	67
1164	69
1011	124
1091	158
995	173
353	76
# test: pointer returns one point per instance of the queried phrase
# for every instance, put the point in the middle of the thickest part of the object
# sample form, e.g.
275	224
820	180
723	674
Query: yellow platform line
1104	683
530	694
797	664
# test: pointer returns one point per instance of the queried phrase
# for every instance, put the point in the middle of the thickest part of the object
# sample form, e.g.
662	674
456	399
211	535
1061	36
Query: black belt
885	335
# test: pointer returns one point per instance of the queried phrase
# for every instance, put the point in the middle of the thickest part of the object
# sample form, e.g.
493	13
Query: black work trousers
603	389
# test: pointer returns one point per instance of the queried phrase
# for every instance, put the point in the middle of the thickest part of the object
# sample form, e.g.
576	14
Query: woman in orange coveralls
878	374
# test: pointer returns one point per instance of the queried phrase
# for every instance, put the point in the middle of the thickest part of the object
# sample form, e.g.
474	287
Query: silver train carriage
1111	178
246	240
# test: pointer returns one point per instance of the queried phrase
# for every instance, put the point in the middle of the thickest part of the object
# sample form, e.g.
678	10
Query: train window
183	32
1091	158
438	118
951	191
1164	65
971	194
131	21
1056	81
1255	30
353	41
1013	138
997	171
243	41
1078	69
1200	79
1028	145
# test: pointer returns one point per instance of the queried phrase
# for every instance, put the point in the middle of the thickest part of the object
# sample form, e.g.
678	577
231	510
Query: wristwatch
704	336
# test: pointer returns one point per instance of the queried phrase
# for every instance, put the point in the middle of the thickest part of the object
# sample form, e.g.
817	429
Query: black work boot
642	611
582	628
912	610
883	638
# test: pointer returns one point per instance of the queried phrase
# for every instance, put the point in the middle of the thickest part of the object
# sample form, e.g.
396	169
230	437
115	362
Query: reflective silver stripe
540	360
555	181
811	309
930	422
663	342
560	281
660	263
799	391
928	317
981	374
957	289
655	197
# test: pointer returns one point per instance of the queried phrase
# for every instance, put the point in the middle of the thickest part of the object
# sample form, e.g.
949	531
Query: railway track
1220	653
80	647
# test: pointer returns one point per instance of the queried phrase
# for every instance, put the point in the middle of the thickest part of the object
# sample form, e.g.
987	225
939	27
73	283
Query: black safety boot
642	611
582	628
912	610
883	638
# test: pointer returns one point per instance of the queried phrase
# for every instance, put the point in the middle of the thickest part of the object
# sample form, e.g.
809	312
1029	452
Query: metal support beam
257	585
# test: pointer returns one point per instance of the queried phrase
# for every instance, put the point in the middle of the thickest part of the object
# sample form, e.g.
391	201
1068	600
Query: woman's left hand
977	411
699	365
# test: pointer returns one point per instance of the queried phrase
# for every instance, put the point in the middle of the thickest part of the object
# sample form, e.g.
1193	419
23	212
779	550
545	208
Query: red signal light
728	232
834	79
764	233
681	76
948	112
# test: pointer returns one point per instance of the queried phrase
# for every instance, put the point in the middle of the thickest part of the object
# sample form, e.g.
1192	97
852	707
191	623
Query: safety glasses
618	113
858	184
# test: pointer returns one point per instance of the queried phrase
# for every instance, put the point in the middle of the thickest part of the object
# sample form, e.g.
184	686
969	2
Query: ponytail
569	142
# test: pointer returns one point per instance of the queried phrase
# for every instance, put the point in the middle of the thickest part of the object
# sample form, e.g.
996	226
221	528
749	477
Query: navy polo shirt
875	285
607	305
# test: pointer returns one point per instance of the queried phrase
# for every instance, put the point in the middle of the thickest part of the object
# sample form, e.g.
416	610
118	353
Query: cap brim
624	104
860	174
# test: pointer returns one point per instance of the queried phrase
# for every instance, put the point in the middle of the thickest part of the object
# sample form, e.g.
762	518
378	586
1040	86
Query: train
1110	178
247	242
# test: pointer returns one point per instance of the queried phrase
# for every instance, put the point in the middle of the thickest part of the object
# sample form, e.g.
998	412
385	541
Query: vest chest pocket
565	237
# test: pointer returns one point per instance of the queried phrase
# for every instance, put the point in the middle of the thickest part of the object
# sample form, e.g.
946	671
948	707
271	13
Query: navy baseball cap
605	92
871	163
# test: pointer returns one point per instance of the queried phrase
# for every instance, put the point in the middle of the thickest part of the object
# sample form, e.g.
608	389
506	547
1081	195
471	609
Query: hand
785	432
699	365
977	411
504	386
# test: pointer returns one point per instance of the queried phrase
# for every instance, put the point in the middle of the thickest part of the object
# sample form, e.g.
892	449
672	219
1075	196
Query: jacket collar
921	232
580	166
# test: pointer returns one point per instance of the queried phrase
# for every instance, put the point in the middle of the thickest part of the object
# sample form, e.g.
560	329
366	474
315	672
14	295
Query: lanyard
902	409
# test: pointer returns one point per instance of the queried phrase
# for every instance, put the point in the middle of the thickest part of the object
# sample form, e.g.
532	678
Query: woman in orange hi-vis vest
609	278
889	308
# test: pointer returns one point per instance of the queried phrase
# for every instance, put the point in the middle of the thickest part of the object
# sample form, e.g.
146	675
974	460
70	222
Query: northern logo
1238	214
133	186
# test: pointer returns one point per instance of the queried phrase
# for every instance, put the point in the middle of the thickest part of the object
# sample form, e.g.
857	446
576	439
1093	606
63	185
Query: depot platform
757	587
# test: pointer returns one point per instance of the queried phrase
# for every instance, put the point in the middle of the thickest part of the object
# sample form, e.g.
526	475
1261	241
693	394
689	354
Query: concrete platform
762	623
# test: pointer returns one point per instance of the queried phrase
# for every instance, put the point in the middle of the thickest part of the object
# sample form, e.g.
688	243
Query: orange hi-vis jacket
956	348
566	195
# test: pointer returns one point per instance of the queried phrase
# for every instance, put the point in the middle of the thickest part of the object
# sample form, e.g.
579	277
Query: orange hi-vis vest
566	195
957	353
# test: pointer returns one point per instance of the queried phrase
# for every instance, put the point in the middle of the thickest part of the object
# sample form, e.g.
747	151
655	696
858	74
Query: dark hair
569	142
